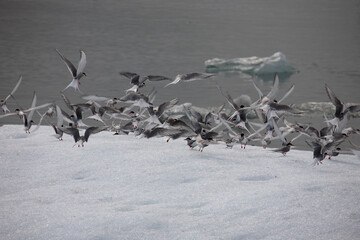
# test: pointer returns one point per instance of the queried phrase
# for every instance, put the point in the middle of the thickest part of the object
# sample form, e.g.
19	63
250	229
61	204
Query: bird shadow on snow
217	158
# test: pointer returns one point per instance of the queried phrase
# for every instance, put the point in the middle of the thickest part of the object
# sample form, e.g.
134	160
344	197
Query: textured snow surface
122	187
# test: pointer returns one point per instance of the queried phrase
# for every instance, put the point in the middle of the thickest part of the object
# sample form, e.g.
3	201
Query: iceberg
277	63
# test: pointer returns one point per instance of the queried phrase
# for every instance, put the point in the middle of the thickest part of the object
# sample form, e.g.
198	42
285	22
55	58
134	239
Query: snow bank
277	63
121	187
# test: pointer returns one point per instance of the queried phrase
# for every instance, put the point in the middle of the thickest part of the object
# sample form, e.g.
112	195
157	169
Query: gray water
161	37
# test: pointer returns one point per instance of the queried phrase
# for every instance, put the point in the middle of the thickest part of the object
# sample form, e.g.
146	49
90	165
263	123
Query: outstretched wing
67	102
134	77
93	130
82	63
14	90
68	64
196	76
33	104
338	104
258	89
287	93
157	78
166	105
271	95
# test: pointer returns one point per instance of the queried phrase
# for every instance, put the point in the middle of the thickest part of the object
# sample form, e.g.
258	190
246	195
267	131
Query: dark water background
160	37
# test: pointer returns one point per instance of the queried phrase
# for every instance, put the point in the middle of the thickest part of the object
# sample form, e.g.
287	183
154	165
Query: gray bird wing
258	89
338	104
134	77
67	102
68	64
283	107
287	93
157	78
354	108
78	113
196	76
33	104
166	105
271	95
72	131
316	149
14	90
82	64
93	130
277	131
59	116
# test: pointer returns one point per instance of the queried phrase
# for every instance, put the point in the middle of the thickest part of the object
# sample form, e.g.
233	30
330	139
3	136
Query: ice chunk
277	63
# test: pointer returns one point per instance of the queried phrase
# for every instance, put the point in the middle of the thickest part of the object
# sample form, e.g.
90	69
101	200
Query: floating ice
277	63
321	107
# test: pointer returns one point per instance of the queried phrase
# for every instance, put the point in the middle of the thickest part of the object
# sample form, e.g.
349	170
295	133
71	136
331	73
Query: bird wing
95	98
258	90
59	116
283	107
82	63
228	97
354	108
78	113
67	102
338	104
74	132
316	148
68	64
324	131
196	76
157	78
33	104
287	93
93	130
277	131
208	135
14	90
129	75
166	105
134	77
208	118
271	95
178	78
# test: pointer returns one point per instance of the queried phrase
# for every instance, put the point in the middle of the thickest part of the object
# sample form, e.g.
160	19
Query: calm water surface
321	39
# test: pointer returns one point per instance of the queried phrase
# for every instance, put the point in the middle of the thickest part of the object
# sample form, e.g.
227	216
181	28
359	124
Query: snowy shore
122	187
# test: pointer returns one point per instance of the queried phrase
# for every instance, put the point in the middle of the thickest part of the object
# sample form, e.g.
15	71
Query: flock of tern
139	116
